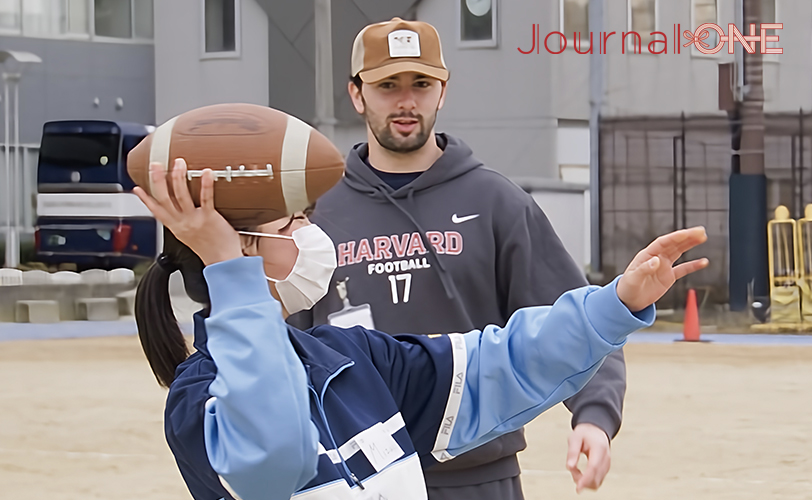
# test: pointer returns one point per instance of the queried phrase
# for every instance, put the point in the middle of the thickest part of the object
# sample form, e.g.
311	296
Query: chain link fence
659	174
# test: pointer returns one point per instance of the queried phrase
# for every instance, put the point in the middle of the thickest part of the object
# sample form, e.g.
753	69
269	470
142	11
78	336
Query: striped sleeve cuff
452	408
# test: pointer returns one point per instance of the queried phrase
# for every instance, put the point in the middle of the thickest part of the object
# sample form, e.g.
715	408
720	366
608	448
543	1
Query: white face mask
309	280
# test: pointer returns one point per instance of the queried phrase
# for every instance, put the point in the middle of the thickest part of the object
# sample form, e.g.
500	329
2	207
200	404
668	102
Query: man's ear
442	95
355	95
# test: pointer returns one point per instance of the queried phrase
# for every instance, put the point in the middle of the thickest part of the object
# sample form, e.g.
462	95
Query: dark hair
161	338
357	81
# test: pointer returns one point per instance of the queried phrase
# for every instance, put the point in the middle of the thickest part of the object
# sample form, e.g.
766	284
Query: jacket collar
320	360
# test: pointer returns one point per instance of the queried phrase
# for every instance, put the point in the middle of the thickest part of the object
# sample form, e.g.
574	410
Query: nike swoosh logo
459	220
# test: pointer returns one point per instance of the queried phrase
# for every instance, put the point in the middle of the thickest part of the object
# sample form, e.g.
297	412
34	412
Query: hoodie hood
457	159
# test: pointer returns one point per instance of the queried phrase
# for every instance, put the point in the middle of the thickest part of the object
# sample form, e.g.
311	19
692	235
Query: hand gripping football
266	164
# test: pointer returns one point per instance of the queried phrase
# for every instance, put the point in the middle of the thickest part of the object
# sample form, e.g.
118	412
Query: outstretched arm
546	354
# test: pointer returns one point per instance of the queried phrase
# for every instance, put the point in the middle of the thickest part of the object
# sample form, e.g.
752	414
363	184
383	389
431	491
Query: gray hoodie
456	249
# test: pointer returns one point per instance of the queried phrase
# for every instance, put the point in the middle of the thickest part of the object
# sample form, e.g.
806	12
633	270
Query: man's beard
389	141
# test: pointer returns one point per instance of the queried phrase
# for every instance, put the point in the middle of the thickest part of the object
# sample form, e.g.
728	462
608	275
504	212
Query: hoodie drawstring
444	279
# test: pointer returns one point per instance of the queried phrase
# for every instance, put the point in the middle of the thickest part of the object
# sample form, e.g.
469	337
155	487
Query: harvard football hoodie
457	248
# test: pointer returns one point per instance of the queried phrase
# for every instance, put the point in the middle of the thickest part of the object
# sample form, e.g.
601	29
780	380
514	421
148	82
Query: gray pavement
184	308
724	338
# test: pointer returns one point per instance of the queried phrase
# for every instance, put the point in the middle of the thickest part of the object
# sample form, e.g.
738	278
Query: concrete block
66	278
11	277
94	277
126	303
36	277
37	311
121	276
97	309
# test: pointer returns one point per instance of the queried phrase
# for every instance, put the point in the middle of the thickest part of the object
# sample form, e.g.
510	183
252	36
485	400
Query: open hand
651	272
202	228
593	442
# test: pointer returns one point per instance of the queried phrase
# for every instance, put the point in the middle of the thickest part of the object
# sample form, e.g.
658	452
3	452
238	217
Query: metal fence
659	174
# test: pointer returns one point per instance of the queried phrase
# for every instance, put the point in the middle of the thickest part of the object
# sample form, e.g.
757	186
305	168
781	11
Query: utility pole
752	154
12	244
13	62
325	109
595	12
748	183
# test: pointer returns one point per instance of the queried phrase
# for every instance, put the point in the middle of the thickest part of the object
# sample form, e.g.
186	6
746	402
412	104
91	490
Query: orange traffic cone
690	327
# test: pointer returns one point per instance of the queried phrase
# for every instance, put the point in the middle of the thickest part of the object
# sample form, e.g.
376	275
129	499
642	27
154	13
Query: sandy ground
82	420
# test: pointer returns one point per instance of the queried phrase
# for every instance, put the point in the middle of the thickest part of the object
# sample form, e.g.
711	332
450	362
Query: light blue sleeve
259	436
505	377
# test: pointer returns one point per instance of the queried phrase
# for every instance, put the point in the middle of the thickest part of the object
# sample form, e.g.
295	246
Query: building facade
97	63
524	109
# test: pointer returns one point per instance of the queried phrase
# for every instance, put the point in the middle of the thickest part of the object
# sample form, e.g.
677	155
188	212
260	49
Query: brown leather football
267	164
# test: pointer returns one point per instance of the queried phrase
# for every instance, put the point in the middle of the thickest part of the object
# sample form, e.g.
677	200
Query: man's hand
651	274
590	440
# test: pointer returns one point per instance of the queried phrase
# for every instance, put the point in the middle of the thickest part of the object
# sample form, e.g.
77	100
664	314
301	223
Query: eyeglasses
265	235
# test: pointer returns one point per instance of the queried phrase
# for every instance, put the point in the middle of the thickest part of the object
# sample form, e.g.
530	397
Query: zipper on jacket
356	479
320	404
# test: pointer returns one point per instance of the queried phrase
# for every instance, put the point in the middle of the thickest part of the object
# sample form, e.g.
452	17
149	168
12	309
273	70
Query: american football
267	164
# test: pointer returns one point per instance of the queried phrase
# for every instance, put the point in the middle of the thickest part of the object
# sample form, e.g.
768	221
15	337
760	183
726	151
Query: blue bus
87	214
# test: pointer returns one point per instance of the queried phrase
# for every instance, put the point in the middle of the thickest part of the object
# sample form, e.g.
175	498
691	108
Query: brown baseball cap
385	49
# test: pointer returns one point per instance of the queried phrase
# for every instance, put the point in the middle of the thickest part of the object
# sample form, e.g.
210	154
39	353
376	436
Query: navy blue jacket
460	247
263	410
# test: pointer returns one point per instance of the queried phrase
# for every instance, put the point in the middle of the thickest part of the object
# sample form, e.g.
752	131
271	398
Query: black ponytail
161	338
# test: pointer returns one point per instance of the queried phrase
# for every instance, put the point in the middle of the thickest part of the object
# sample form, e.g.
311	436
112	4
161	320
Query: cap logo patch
404	43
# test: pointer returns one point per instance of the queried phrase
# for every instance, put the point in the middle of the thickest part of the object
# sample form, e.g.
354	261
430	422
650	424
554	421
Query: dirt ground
82	419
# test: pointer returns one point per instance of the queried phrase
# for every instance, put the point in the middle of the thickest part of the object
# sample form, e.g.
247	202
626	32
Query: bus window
75	151
80	156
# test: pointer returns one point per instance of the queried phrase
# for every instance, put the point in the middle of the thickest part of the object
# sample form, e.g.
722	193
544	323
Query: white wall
184	81
347	137
568	212
507	105
668	84
500	102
